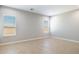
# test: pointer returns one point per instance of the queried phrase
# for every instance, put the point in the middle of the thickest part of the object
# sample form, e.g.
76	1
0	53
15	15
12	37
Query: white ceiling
48	10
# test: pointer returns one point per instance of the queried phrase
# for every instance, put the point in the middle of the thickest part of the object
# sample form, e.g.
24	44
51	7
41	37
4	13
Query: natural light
54	24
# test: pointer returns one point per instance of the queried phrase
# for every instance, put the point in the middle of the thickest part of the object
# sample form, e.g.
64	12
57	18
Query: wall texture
66	25
28	25
1	23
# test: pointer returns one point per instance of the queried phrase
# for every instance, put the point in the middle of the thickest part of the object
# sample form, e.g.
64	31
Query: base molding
45	37
19	41
61	38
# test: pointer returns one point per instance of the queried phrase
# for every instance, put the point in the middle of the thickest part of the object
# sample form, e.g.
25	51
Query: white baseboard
61	38
19	41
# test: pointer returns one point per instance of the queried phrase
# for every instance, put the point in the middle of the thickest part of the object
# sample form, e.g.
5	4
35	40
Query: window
9	26
46	26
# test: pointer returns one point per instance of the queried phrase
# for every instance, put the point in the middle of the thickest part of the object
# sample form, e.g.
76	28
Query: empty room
39	29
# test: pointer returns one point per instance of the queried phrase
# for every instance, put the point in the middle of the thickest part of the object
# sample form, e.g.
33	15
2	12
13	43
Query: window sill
12	35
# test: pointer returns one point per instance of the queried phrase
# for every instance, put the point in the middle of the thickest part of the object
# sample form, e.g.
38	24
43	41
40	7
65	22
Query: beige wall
28	25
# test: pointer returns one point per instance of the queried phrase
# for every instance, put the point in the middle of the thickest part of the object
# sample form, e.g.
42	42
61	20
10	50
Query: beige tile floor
41	46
